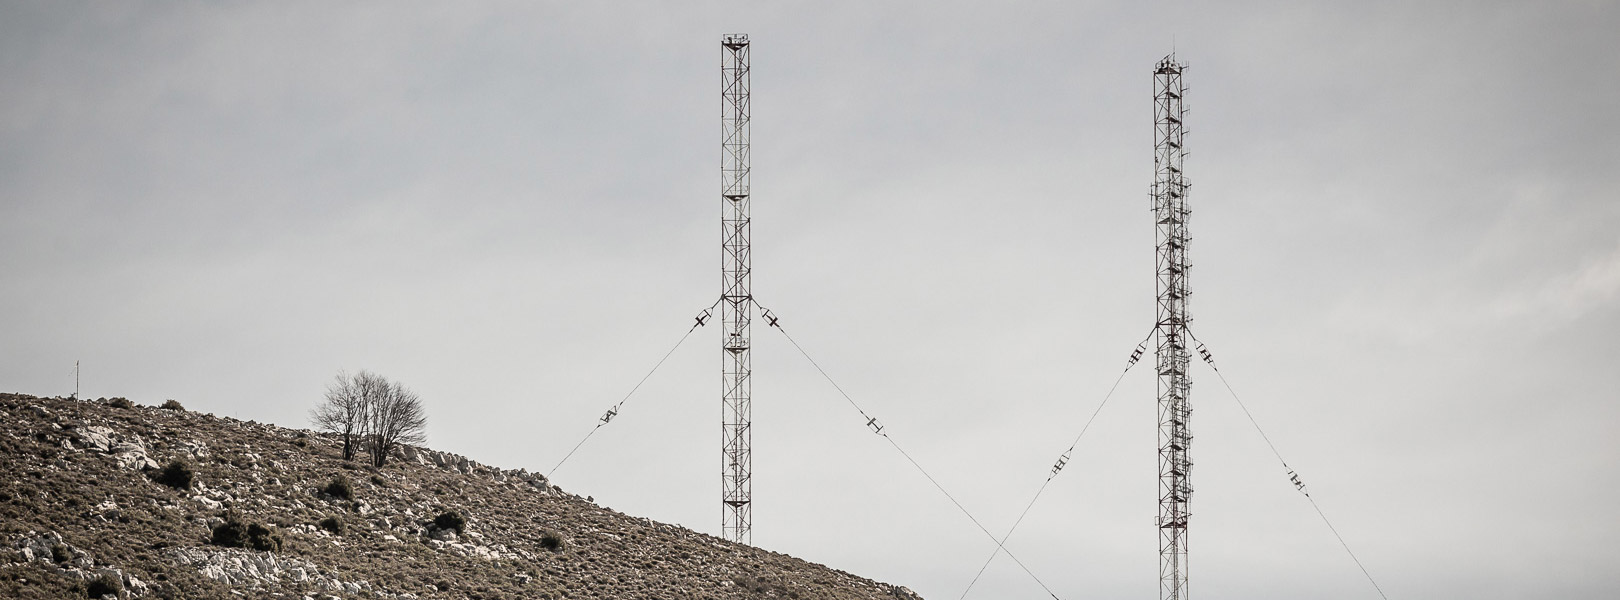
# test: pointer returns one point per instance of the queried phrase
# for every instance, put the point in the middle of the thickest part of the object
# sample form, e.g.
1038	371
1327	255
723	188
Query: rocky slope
90	506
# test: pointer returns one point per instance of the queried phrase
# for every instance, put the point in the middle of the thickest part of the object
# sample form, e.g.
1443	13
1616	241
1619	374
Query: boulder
135	459
111	573
94	438
443	535
195	450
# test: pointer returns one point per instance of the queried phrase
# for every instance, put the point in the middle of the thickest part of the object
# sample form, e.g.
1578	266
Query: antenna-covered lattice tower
736	301
1175	439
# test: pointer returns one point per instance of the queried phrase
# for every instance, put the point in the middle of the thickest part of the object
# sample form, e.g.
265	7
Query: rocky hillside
109	498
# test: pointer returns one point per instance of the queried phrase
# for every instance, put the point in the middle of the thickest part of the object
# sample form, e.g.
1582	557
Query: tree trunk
379	453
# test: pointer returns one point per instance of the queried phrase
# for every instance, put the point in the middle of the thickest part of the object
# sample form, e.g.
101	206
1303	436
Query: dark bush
236	533
552	541
378	481
120	403
300	442
172	404
340	488
230	534
177	475
333	524
261	538
60	554
451	520
103	585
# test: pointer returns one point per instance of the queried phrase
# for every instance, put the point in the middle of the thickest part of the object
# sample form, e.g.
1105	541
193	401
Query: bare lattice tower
1175	439
736	301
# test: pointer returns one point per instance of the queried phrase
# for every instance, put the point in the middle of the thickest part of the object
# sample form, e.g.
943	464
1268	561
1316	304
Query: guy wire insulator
612	412
1061	461
877	428
1136	355
703	318
1204	352
1294	477
771	318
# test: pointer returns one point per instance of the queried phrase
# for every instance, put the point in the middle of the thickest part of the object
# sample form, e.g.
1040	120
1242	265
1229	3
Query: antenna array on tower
1170	212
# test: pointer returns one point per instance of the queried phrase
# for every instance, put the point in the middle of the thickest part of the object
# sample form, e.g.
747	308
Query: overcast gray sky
1405	255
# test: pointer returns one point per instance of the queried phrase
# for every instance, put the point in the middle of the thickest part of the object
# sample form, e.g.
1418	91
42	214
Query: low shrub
120	403
172	404
552	541
333	524
261	538
102	586
177	475
60	554
236	533
451	520
339	488
230	534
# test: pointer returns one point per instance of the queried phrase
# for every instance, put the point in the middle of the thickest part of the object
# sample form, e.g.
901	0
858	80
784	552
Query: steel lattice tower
1170	213
736	301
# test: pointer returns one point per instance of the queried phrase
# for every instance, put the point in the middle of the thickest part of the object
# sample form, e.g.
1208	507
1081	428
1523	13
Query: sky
1404	250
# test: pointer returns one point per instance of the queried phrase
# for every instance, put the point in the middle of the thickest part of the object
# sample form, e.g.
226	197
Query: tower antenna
736	300
1169	193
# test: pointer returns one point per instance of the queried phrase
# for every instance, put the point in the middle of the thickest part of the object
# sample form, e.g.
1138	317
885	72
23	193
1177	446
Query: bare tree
342	411
372	414
394	417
